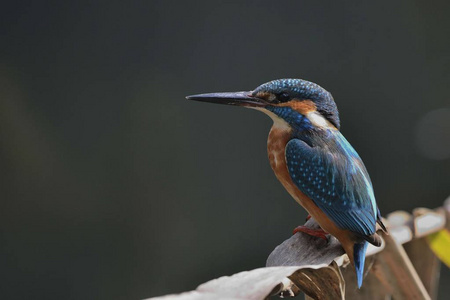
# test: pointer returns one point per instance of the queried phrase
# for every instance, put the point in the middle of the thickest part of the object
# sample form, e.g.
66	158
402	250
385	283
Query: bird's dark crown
280	91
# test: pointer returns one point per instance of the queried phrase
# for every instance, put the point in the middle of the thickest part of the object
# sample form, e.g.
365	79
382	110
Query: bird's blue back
334	177
326	168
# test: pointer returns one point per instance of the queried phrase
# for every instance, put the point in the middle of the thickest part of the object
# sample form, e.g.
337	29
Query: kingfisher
314	162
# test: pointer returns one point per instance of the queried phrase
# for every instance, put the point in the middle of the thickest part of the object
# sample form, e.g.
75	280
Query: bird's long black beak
235	98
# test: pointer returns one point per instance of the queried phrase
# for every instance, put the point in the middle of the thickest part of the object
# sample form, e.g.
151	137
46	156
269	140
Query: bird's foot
313	232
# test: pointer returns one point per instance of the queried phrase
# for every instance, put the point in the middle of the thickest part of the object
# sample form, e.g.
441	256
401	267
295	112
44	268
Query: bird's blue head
297	102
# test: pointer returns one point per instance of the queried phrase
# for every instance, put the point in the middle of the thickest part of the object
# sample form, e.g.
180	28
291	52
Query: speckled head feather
304	90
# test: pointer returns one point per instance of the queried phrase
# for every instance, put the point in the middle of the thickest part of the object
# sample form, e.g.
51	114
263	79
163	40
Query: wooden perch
303	249
321	269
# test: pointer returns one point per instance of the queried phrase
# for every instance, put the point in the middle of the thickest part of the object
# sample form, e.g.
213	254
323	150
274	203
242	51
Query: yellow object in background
440	244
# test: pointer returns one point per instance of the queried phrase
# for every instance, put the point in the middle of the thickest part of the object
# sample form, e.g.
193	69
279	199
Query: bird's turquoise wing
338	183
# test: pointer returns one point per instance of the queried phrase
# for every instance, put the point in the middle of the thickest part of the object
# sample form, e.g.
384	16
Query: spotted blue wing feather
337	183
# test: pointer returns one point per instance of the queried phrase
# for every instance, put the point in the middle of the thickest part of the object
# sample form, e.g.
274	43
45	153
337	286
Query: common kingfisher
314	162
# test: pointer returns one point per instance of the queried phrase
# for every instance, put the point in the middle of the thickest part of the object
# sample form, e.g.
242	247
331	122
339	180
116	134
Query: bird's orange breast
276	145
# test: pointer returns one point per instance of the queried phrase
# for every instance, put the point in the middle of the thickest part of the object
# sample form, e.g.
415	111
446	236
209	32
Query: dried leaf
256	284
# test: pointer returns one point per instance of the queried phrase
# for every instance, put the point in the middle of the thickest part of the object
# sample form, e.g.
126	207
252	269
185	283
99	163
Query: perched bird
314	162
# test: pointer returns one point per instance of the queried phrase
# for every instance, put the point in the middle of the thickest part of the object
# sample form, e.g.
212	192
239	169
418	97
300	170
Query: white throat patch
277	121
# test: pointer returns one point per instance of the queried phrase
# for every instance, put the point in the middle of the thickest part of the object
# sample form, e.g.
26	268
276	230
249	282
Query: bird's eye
283	97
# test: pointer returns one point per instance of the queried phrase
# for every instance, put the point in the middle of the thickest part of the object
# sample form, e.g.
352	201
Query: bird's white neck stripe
318	120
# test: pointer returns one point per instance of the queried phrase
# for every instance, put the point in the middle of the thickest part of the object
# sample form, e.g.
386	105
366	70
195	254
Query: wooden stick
394	267
425	263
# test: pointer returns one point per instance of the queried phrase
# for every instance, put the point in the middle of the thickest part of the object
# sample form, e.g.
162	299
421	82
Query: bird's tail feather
359	256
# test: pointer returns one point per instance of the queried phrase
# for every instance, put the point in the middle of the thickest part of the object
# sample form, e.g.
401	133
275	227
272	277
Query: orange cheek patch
304	107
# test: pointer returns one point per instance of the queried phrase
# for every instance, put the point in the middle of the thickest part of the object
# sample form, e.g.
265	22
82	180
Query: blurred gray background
115	187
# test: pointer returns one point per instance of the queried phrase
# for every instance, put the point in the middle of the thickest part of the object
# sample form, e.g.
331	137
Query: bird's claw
313	232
